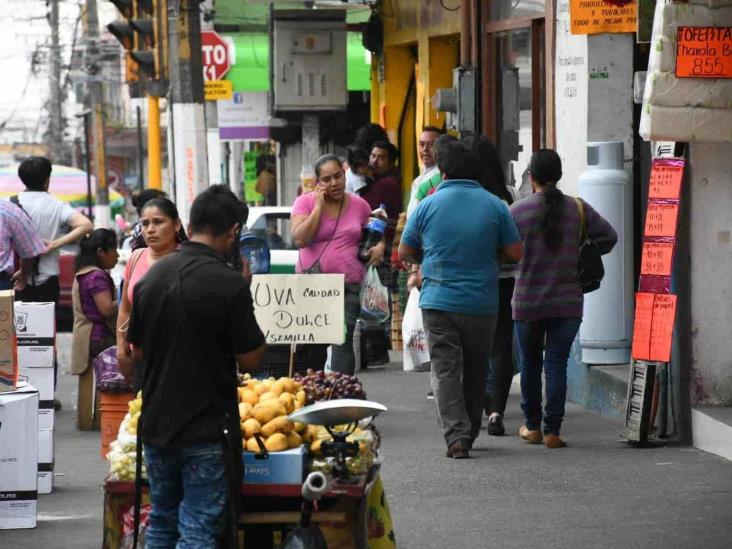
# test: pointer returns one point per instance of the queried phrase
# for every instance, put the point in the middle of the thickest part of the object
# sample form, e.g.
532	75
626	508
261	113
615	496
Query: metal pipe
140	152
465	41
154	161
87	163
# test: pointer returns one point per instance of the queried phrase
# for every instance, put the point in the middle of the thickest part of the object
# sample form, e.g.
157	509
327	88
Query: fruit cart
351	513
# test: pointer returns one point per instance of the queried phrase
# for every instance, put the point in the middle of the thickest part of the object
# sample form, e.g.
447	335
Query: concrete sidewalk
596	493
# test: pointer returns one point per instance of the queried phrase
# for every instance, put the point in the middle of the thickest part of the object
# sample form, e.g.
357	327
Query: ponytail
545	168
105	239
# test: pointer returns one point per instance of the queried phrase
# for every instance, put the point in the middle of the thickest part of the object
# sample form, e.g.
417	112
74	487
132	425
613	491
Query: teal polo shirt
460	229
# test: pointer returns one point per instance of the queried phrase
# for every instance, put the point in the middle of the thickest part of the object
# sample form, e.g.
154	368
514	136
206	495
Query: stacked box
35	327
8	347
18	457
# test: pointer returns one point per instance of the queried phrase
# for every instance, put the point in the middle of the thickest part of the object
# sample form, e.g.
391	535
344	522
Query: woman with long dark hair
500	367
95	315
548	299
161	229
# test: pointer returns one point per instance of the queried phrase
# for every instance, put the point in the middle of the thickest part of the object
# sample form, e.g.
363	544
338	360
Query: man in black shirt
192	322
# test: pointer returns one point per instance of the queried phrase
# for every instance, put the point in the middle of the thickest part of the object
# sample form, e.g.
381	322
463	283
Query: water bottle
373	232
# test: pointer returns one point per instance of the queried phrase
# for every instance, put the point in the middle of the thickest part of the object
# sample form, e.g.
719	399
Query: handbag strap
583	221
338	220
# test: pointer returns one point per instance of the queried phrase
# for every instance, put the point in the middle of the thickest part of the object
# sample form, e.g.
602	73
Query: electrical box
308	60
459	101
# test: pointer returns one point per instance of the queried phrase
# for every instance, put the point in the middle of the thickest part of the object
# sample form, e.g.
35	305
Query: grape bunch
319	385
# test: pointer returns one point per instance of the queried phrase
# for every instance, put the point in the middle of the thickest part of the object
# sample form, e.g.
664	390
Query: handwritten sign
666	176
653	326
661	219
598	16
704	52
302	309
657	258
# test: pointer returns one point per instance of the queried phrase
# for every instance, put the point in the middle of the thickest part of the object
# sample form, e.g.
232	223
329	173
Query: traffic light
123	31
144	35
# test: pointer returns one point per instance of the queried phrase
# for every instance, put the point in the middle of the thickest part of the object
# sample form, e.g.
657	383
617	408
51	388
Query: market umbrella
67	184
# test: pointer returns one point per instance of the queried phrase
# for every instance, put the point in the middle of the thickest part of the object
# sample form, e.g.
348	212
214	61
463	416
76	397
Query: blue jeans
188	492
552	338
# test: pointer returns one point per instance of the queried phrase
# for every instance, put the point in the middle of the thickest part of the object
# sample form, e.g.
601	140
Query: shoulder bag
591	269
316	268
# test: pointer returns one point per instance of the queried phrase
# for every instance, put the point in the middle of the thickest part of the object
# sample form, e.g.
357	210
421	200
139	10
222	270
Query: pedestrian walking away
457	235
192	322
326	227
548	300
500	367
17	237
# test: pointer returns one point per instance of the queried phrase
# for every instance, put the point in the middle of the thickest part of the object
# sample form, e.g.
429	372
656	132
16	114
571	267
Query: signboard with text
599	16
300	309
215	90
215	53
704	52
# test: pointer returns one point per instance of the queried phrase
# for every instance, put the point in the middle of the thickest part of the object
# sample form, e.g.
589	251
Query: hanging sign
657	258
666	175
661	219
300	309
653	327
598	16
704	52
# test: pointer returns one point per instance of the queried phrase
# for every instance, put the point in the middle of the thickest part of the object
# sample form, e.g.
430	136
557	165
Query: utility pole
55	136
95	98
188	146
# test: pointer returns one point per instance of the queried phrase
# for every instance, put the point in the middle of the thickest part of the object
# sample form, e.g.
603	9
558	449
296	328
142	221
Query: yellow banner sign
214	90
598	16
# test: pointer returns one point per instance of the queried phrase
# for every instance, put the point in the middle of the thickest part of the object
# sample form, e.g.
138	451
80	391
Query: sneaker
532	437
459	449
431	395
553	441
495	426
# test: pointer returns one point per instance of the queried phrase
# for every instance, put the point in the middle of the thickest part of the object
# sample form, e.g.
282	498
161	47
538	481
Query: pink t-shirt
341	255
138	260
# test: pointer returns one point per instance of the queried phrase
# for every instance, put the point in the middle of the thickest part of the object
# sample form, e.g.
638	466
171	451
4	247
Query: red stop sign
216	62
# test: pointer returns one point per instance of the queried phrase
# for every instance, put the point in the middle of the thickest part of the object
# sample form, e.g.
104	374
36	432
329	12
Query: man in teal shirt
457	234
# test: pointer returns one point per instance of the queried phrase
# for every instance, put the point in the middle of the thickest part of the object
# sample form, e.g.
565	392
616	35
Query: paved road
596	493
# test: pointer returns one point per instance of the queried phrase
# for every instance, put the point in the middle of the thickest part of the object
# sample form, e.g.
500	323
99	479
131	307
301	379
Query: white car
272	223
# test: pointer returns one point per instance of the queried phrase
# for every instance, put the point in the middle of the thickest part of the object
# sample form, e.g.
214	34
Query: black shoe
459	449
495	426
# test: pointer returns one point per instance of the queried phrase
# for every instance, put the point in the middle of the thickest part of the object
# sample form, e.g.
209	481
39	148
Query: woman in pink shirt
326	226
160	229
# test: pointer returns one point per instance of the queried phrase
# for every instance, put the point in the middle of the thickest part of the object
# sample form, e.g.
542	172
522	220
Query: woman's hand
376	254
320	194
124	360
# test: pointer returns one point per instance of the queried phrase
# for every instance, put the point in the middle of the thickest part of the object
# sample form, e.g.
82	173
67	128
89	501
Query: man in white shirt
51	218
426	152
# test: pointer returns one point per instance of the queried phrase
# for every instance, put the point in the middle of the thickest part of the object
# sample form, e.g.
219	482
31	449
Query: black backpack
591	269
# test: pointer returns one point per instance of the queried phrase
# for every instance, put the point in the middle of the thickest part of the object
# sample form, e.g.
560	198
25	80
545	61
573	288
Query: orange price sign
653	327
704	52
598	16
666	179
657	258
661	219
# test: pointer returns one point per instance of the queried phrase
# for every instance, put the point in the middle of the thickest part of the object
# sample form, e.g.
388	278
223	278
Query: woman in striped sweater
548	300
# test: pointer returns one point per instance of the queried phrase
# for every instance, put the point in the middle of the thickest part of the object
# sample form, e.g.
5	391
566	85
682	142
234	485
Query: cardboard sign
598	16
653	326
666	177
657	258
704	52
300	309
661	219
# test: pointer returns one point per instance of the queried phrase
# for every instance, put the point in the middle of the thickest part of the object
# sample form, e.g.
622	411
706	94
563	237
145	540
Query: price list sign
657	258
665	182
661	219
704	52
653	326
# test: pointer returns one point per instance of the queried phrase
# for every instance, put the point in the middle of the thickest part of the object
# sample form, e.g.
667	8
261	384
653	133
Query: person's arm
20	277
249	362
510	249
124	356
247	339
376	253
106	304
410	245
80	226
512	253
305	227
599	230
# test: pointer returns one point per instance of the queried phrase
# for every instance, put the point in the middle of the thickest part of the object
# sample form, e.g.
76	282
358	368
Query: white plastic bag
416	352
374	299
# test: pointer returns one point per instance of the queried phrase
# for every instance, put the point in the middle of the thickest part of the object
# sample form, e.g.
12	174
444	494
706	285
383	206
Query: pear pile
263	409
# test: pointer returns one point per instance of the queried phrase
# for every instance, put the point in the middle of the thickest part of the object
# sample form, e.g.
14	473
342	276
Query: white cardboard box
8	347
18	457
45	447
41	379
35	328
46	416
45	478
